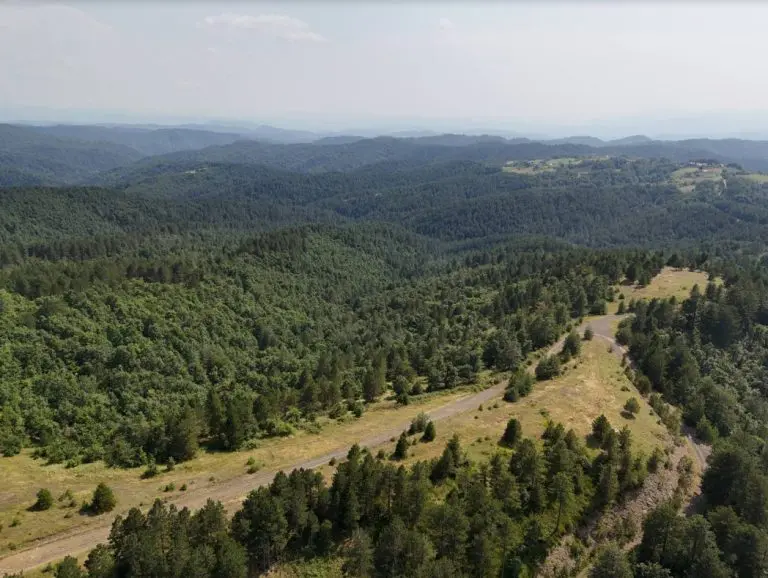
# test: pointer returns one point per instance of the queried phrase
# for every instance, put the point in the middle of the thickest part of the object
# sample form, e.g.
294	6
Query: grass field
669	282
23	476
756	177
541	165
687	178
593	384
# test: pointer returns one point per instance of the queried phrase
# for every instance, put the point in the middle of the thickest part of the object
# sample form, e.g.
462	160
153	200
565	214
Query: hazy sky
349	62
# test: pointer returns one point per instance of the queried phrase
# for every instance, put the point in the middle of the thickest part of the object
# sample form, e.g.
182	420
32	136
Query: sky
608	65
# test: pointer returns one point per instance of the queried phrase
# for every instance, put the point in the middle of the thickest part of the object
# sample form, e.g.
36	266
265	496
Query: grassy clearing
320	568
541	165
686	179
593	384
756	177
23	476
669	282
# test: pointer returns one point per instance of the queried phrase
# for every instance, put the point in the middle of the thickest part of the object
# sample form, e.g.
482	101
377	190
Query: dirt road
231	492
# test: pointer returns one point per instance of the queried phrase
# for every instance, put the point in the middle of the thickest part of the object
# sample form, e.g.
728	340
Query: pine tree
511	433
401	449
429	432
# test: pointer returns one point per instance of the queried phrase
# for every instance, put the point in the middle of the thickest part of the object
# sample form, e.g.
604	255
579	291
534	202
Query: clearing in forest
670	282
590	385
687	178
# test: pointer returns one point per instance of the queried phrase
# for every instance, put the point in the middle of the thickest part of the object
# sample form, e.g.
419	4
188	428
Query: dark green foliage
44	500
192	342
589	332
705	431
511	433
519	385
548	367
401	448
571	345
611	563
442	518
68	568
680	544
429	432
103	500
632	406
419	423
601	428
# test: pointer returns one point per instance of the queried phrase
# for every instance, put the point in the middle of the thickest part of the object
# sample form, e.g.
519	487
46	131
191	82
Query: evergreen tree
401	448
429	432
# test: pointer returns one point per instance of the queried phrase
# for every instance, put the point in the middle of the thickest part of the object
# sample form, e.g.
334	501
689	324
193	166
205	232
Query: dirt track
232	491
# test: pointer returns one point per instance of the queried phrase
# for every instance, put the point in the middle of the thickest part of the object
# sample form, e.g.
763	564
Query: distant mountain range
70	154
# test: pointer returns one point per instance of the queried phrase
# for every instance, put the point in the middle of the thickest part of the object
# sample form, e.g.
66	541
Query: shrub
632	406
588	333
511	433
103	500
511	394
418	424
401	449
548	368
705	431
655	460
429	432
601	427
151	471
44	500
571	345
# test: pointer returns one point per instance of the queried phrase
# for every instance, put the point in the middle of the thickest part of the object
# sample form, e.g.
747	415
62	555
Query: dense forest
447	517
153	306
708	355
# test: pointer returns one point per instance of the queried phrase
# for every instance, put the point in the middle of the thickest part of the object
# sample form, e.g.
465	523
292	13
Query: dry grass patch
593	384
669	282
23	476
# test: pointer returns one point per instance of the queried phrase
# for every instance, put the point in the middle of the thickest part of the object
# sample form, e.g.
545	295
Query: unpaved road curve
231	492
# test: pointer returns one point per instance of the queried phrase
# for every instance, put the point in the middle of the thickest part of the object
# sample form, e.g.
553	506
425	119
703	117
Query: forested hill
64	154
599	202
144	140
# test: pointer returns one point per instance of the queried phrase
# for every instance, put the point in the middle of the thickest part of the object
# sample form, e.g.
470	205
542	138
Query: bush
705	431
429	432
511	433
511	394
401	449
68	568
44	501
571	345
643	384
588	333
632	406
418	424
548	368
601	427
103	500
357	409
151	471
657	457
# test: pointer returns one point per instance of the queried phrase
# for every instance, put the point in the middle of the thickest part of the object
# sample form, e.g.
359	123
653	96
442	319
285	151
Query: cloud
446	24
278	25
